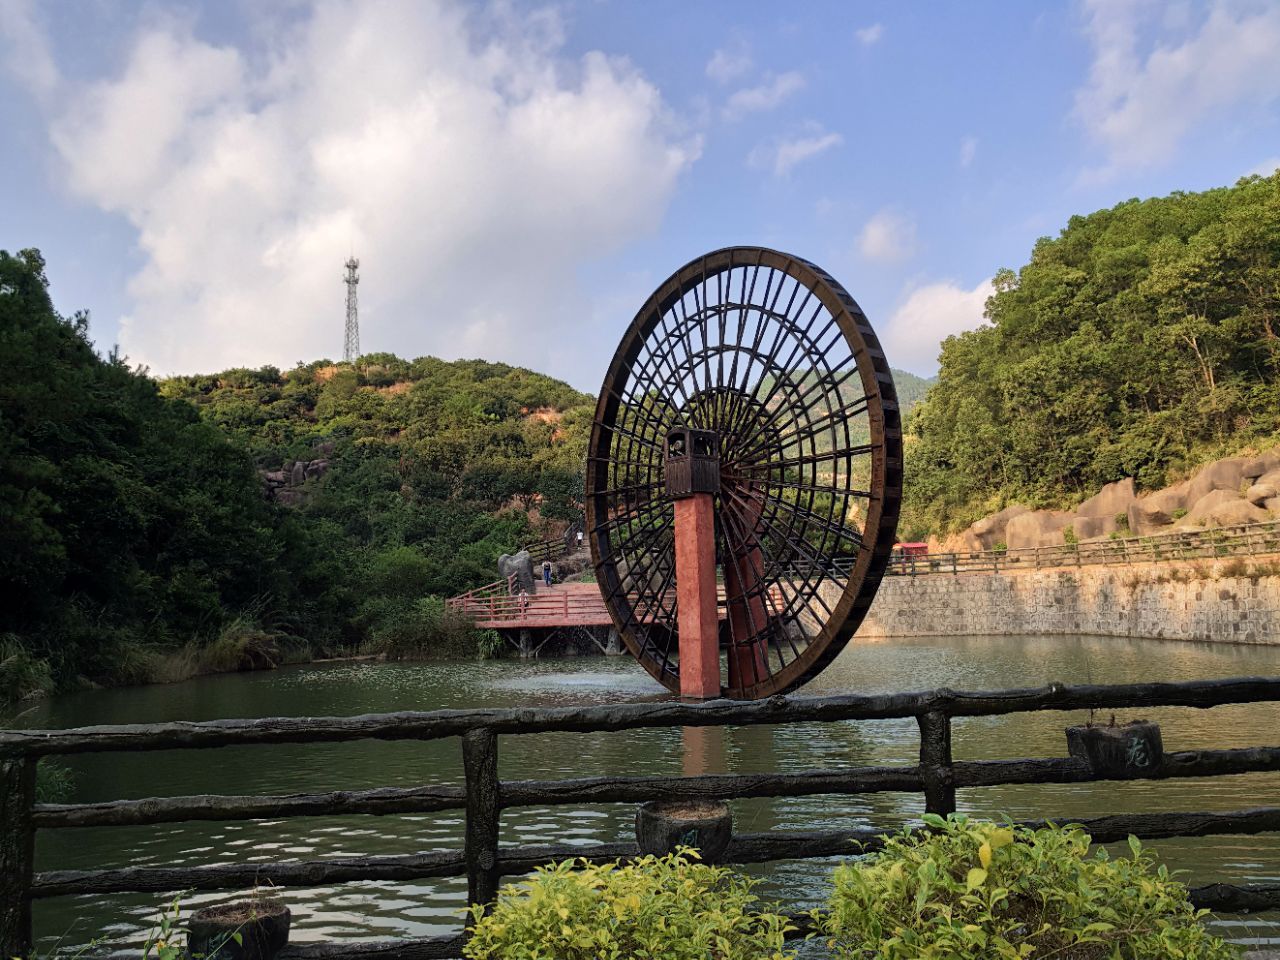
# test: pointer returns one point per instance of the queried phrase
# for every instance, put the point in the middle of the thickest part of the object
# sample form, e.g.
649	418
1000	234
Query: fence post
935	763
480	766
17	853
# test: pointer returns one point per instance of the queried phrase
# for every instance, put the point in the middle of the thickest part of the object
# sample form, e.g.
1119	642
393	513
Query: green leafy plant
978	889
670	907
1178	513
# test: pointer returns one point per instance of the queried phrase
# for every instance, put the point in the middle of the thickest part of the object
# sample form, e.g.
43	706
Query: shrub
970	888
669	907
22	675
1178	513
425	629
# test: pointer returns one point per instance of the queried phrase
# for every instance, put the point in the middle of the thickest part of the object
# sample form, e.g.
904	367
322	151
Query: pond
428	907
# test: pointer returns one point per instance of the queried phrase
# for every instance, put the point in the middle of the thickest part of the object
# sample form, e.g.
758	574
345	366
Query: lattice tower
351	346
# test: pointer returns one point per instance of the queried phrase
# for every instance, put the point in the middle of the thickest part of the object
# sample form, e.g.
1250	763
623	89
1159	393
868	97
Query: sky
517	177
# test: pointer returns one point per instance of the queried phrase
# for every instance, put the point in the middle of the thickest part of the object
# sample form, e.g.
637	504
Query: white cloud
779	156
869	35
766	96
26	49
729	63
888	237
1265	169
968	150
929	315
470	166
1146	93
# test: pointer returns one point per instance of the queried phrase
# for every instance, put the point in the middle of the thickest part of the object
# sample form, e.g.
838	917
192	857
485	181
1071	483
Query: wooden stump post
17	853
1129	751
935	763
480	765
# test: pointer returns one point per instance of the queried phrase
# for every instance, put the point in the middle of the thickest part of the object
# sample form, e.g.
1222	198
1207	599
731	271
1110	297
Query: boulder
1111	501
317	469
288	498
1146	518
1091	528
1271	477
966	541
1039	528
1273	504
298	475
1236	512
1254	468
991	530
1259	493
1200	513
520	566
1169	499
1220	475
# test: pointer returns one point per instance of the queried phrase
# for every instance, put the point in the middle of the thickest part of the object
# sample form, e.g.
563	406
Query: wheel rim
772	354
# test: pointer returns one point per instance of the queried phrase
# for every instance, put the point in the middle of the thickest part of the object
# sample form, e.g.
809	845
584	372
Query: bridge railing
937	775
1248	539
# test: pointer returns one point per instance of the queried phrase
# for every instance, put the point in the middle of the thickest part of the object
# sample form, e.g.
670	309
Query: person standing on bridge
546	572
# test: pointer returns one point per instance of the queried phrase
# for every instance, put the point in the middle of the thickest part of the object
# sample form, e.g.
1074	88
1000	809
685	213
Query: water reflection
378	910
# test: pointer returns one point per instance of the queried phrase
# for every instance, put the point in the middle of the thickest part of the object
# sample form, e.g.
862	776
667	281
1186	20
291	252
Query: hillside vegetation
1140	342
223	521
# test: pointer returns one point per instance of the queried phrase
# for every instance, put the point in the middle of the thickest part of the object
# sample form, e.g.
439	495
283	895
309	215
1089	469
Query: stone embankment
1223	493
1225	601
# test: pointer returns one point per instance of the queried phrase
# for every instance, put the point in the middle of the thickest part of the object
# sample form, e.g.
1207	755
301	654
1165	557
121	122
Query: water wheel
767	361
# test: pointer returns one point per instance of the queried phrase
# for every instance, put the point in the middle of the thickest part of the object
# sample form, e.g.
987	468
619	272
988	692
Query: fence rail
1250	539
936	775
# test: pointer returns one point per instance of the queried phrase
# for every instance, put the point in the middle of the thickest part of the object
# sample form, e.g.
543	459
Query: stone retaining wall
1231	601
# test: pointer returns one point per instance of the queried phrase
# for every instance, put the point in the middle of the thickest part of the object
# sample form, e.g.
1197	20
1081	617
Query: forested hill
1140	341
143	539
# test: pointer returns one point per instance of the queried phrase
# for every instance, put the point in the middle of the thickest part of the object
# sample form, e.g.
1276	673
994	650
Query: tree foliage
136	520
1140	342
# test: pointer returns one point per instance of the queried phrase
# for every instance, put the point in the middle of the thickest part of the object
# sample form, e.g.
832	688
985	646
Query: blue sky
517	177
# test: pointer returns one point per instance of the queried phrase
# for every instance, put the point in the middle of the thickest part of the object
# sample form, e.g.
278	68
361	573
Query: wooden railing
1250	539
937	775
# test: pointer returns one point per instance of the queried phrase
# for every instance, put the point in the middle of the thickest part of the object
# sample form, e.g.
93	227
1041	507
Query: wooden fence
937	776
1250	539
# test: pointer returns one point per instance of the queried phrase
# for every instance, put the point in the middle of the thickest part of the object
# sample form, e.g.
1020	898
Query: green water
393	909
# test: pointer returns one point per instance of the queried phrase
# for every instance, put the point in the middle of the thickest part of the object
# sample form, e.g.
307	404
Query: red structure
697	618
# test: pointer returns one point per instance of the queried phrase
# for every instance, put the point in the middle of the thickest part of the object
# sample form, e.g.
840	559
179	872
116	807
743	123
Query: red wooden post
697	619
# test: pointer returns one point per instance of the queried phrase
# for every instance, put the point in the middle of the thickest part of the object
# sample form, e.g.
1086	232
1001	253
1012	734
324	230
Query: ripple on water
429	907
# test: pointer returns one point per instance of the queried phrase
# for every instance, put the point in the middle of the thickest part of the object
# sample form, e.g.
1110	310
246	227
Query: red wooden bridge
493	607
561	605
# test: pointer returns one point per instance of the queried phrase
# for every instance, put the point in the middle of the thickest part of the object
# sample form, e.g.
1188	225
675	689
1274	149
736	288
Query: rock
1090	528
991	530
289	498
1111	501
1254	468
1146	518
519	565
275	477
1259	493
1202	509
1271	477
1221	475
1039	528
1273	504
1169	499
298	475
317	469
1236	512
325	449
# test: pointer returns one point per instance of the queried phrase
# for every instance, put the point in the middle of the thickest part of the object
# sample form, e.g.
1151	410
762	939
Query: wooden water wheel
772	366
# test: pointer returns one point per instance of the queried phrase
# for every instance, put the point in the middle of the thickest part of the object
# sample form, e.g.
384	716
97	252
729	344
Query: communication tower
351	346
